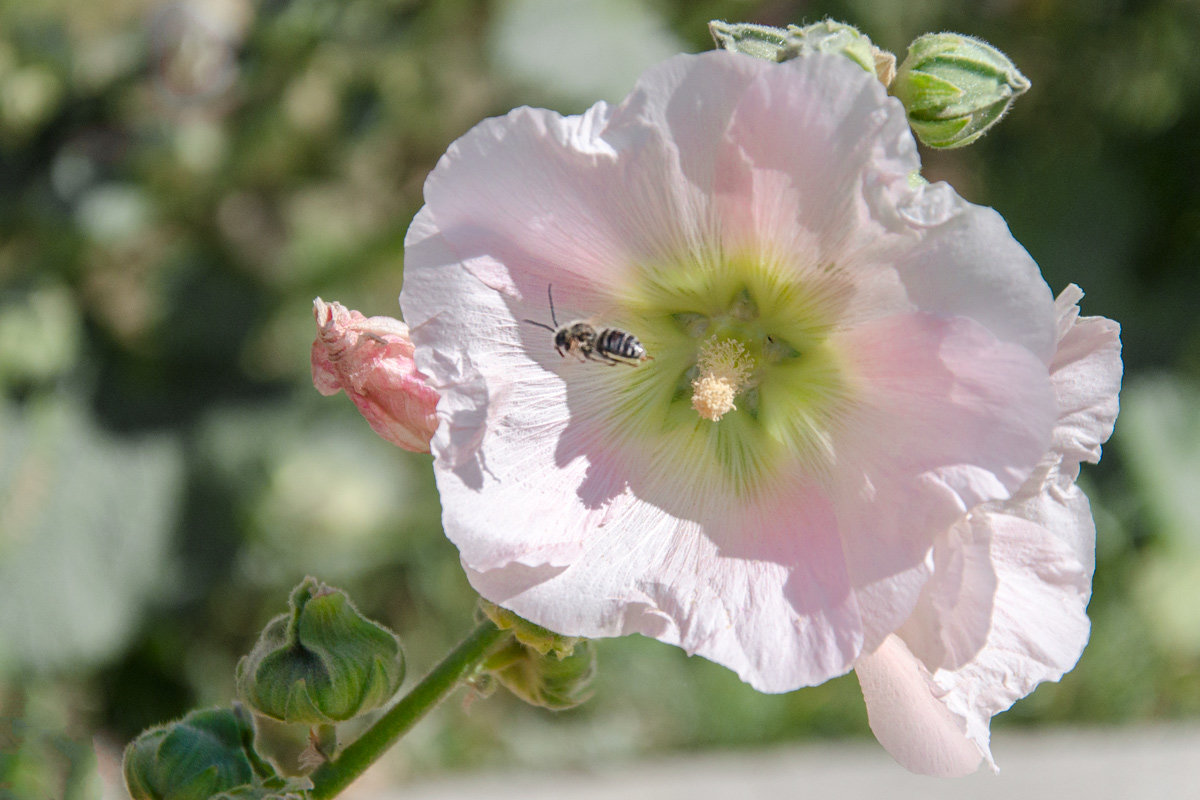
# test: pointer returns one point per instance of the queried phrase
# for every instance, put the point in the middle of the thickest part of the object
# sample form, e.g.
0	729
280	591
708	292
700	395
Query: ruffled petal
1086	372
1039	626
960	259
806	143
1038	630
778	611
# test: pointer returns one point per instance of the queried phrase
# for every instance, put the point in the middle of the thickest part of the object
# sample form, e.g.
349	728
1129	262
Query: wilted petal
371	360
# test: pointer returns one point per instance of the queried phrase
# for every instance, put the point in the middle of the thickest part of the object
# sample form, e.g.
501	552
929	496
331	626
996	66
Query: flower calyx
784	44
321	663
954	88
539	666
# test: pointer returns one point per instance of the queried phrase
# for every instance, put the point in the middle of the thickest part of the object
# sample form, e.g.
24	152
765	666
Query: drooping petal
908	718
1038	630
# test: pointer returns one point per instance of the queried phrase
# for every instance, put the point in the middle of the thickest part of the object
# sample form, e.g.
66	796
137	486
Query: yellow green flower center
744	382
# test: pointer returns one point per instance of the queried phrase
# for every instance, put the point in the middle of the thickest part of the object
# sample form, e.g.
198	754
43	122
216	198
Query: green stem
334	776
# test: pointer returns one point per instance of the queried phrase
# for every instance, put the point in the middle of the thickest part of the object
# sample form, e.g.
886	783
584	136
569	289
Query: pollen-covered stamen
725	367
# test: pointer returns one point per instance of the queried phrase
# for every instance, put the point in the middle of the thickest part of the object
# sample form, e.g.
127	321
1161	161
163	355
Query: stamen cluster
724	367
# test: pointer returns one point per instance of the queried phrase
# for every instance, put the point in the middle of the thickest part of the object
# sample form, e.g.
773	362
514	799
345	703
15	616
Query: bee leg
603	358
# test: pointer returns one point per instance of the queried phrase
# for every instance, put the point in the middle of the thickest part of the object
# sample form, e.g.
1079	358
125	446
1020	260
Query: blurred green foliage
178	180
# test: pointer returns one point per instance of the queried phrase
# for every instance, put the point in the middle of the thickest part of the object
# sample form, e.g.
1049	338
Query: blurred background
178	180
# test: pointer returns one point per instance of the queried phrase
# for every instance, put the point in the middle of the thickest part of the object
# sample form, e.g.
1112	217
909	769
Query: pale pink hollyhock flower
850	369
1005	608
371	359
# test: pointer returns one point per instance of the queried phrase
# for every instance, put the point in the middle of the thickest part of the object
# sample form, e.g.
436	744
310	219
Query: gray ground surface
1117	764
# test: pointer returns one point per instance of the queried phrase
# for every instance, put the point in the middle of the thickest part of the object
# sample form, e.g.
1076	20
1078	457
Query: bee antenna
550	297
539	324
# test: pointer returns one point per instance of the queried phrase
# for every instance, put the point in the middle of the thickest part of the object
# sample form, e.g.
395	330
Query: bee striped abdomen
619	343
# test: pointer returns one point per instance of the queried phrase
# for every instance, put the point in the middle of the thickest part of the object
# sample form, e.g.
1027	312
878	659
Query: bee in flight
582	340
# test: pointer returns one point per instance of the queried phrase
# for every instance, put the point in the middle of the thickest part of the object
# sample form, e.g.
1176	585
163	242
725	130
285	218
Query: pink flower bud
371	358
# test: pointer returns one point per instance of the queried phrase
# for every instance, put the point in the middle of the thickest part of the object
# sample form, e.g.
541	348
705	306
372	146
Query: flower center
724	367
744	384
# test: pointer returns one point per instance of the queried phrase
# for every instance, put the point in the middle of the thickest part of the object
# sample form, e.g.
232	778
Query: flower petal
1040	625
948	418
819	130
578	200
778	611
965	262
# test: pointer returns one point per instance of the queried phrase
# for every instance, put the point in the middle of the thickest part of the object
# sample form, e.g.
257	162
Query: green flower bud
551	680
783	44
954	88
321	663
539	666
535	637
203	754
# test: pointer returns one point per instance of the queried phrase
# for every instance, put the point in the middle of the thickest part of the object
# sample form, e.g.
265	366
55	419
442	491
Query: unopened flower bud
539	666
783	44
955	87
552	680
321	663
205	753
371	359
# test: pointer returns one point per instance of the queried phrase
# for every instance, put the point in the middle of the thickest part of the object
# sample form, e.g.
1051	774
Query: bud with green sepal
783	44
321	663
955	88
552	680
205	753
539	666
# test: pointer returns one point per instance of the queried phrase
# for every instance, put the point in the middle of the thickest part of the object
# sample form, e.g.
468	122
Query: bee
581	339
